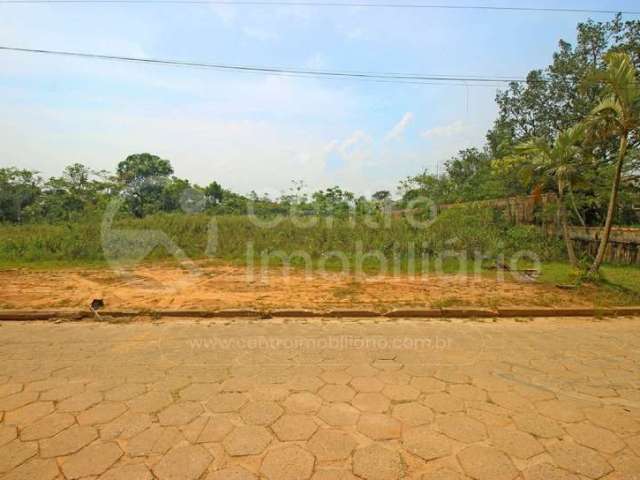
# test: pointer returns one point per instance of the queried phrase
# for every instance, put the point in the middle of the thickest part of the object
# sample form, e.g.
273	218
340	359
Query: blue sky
251	131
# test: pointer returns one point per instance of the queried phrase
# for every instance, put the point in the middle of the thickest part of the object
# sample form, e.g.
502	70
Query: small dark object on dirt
566	286
97	304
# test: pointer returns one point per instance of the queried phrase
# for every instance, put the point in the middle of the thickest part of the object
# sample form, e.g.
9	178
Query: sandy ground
224	286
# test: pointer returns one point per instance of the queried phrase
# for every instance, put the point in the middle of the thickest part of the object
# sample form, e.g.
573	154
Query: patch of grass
617	284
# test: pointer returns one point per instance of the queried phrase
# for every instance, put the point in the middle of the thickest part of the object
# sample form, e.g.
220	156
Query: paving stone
401	393
511	401
231	473
288	463
136	471
171	384
488	418
379	427
626	466
377	463
303	402
371	402
491	383
362	370
8	433
614	418
17	400
247	440
63	392
413	414
467	392
537	425
367	384
156	440
451	375
425	443
337	393
333	474
594	437
331	445
269	393
10	389
515	443
444	403
534	394
102	413
294	427
199	391
14	453
485	463
226	402
442	474
150	402
47	427
193	430
183	463
633	442
125	392
546	471
79	403
339	414
179	414
579	459
301	383
68	441
261	412
92	460
561	410
462	428
35	469
28	414
215	430
337	378
428	384
393	377
126	426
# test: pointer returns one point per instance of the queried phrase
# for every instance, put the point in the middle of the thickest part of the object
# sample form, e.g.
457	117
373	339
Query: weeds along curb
511	312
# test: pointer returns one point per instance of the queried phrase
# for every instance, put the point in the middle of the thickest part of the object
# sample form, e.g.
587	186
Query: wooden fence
624	242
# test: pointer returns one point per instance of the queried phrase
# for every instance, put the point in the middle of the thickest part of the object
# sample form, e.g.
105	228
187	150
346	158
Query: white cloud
445	131
399	128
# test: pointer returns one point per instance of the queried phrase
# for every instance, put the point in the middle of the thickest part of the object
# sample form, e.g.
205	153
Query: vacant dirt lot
236	399
231	287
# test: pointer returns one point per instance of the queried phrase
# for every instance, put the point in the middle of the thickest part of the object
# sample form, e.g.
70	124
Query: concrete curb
508	312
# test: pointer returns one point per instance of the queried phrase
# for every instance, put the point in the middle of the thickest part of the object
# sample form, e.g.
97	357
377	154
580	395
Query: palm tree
558	160
619	113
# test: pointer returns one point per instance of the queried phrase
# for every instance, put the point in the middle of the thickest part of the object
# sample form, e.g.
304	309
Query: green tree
559	160
141	166
19	189
145	177
618	115
214	193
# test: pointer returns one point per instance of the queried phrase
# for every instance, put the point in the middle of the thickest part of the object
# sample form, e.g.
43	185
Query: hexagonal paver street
321	399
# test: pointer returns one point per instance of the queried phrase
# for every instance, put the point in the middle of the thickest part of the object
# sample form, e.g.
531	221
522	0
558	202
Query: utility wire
461	80
333	4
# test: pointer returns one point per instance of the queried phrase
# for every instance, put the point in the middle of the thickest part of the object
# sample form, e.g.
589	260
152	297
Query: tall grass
473	230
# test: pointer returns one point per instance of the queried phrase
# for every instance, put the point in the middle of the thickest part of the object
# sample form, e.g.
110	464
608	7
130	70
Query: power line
334	4
462	80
